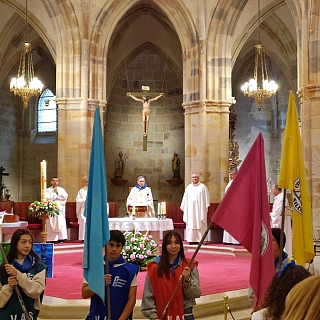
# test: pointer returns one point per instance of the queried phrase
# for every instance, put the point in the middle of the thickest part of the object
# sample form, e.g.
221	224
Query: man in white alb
80	204
141	195
195	204
57	226
276	217
227	237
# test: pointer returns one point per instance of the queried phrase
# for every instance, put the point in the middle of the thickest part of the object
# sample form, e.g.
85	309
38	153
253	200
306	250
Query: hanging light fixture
259	87
26	84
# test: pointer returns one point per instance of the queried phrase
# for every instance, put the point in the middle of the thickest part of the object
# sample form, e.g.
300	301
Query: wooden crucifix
3	173
146	110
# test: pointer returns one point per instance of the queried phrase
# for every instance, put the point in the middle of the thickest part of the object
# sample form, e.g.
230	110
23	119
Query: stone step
208	307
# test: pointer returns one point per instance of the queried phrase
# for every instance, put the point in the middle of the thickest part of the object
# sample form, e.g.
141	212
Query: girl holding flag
164	277
25	270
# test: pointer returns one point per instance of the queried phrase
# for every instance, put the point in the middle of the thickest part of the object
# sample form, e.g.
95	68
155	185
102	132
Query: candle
43	180
159	212
133	212
164	208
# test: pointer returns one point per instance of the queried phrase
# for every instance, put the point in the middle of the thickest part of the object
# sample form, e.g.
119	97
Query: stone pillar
75	118
310	133
308	81
206	151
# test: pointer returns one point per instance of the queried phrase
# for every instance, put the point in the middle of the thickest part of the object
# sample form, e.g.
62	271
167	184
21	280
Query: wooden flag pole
5	260
108	286
282	227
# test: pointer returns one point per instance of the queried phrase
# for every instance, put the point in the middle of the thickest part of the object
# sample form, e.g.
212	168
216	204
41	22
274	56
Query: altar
8	228
153	225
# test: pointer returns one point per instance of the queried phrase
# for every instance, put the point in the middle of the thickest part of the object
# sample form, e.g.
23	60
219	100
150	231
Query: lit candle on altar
43	180
159	209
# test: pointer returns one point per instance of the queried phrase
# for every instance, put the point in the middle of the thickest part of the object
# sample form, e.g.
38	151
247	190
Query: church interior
90	53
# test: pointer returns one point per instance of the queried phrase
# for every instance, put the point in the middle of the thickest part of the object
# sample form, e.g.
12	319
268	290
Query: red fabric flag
244	213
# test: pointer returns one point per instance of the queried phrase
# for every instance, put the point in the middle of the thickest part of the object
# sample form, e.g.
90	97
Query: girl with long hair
163	278
25	270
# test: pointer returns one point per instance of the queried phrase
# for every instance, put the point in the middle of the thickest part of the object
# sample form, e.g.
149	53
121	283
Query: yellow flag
293	177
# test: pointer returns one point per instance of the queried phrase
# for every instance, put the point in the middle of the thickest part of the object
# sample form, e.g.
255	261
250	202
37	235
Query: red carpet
218	273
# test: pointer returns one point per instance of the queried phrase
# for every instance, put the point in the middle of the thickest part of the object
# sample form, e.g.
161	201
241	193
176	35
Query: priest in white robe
141	195
80	204
57	226
195	204
227	237
276	217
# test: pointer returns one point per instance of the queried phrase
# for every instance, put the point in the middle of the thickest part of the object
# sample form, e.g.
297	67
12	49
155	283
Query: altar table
9	228
153	225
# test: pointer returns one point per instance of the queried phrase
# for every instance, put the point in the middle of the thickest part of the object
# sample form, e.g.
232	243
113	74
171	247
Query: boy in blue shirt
122	279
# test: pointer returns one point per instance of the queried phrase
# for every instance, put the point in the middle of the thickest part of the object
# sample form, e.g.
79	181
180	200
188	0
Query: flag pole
5	260
181	278
282	227
108	286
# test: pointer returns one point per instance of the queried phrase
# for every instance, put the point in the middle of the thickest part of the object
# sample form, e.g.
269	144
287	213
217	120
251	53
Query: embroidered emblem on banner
264	239
297	204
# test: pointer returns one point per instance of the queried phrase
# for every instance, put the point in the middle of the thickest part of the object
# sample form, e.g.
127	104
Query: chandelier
26	84
259	87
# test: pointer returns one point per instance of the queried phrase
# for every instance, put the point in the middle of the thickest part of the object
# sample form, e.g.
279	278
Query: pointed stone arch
177	14
125	60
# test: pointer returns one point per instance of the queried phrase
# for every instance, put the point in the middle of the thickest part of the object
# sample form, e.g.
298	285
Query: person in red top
163	277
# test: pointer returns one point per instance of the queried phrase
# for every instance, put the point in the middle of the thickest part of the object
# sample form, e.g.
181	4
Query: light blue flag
97	226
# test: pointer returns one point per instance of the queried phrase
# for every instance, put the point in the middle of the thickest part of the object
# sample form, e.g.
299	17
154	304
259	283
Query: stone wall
124	131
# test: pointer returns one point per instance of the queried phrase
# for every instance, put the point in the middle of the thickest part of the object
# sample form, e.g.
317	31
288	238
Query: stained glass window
47	112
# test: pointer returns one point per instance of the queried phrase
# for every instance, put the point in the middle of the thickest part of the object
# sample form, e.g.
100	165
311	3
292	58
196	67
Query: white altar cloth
9	228
153	225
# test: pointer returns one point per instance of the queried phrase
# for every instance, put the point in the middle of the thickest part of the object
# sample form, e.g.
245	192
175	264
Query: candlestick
162	210
159	210
43	180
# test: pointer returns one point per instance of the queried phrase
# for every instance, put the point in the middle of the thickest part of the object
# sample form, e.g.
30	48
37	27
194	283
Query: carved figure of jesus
146	110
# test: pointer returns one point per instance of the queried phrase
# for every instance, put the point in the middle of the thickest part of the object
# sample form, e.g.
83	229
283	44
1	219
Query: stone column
75	118
309	83
310	133
206	150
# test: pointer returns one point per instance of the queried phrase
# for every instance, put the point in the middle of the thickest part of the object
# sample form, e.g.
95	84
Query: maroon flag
244	213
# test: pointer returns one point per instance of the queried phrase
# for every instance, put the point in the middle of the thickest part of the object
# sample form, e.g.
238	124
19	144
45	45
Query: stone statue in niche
121	161
5	192
176	166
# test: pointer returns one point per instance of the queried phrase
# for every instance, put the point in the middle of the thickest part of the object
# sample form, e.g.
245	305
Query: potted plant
139	248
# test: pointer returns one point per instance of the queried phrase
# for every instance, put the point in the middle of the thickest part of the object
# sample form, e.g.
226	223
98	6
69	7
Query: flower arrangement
139	248
39	209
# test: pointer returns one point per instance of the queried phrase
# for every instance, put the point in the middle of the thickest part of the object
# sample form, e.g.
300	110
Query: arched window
47	112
